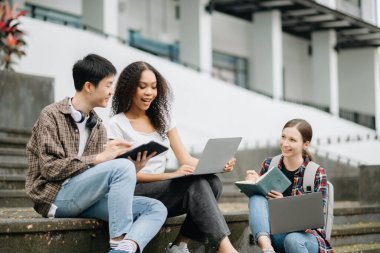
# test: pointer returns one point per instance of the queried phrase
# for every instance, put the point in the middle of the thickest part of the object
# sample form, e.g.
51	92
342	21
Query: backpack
308	186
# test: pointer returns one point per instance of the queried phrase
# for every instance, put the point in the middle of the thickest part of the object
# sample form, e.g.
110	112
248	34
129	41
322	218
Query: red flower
11	40
2	25
11	37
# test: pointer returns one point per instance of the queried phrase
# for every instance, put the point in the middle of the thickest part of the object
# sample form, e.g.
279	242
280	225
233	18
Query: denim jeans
295	242
197	197
105	191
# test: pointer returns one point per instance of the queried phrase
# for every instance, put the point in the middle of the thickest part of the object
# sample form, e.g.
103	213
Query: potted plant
11	37
22	96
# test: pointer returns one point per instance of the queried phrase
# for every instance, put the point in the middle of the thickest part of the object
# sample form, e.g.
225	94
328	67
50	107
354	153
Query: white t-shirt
84	132
119	127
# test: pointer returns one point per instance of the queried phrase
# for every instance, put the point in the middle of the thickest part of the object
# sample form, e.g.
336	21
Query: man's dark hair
92	68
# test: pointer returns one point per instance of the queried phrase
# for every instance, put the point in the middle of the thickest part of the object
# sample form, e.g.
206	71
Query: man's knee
160	208
151	206
124	168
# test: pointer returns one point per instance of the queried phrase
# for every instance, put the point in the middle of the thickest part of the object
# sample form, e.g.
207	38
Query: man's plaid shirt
52	153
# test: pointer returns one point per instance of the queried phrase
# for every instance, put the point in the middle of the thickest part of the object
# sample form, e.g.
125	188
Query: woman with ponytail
295	139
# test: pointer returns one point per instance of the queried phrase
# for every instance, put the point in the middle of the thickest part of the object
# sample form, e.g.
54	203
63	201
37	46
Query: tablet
150	147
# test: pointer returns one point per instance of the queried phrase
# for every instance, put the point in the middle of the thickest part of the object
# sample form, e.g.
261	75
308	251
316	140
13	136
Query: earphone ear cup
78	116
91	122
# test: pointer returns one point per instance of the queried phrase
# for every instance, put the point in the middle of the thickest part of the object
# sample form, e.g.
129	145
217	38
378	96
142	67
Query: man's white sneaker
181	248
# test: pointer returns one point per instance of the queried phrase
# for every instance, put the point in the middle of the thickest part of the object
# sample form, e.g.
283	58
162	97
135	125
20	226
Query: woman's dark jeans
195	196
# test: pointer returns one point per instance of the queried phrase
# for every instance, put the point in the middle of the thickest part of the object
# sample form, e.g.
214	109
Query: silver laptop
215	155
296	213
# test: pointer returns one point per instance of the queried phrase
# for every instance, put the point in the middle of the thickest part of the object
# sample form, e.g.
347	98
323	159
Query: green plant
11	37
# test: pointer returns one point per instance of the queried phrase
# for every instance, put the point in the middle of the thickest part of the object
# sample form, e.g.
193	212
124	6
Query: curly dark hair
126	86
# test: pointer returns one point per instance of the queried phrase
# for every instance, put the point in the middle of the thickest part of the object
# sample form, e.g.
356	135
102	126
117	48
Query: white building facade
322	53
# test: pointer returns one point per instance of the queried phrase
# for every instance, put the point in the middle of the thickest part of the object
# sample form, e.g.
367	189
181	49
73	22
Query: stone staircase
356	225
13	168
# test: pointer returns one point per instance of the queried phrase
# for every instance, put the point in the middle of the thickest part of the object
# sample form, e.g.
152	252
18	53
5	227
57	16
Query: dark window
229	68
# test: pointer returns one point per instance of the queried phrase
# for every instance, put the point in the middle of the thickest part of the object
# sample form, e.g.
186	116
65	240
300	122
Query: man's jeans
296	242
105	191
197	197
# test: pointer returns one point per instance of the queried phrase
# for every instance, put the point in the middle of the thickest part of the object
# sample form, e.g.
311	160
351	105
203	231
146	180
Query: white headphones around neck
77	115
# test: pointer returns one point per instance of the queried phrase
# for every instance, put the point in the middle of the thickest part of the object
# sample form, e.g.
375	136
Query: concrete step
356	233
233	198
14	198
22	230
13	152
15	132
13	159
12	182
354	212
13	142
15	167
358	248
361	221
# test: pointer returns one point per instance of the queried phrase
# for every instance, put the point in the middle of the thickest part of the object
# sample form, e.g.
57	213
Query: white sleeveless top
119	127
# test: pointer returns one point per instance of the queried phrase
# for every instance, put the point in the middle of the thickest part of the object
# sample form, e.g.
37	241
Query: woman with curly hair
141	113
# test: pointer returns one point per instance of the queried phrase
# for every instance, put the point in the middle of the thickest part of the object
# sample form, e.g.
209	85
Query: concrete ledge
358	248
27	94
369	184
23	230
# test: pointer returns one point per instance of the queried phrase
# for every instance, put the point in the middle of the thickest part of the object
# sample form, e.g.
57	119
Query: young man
72	170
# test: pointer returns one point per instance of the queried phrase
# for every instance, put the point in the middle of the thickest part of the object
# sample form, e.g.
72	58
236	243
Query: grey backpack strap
274	162
309	176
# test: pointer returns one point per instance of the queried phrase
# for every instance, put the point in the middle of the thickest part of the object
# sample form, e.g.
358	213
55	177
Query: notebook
296	213
274	179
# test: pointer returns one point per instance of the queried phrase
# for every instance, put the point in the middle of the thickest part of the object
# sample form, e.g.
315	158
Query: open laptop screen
296	213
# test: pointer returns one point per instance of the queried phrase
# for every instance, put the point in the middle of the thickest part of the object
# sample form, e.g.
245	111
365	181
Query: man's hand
113	149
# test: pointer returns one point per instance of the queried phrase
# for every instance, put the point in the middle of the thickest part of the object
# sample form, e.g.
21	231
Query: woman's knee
257	200
299	241
216	185
293	241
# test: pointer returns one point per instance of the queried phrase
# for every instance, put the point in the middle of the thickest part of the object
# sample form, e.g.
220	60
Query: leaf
21	13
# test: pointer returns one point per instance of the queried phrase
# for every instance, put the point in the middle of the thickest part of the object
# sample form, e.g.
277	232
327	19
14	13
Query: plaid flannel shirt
320	184
52	153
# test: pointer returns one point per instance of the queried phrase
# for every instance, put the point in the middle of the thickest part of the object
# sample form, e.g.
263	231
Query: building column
376	69
266	61
101	15
195	35
325	70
